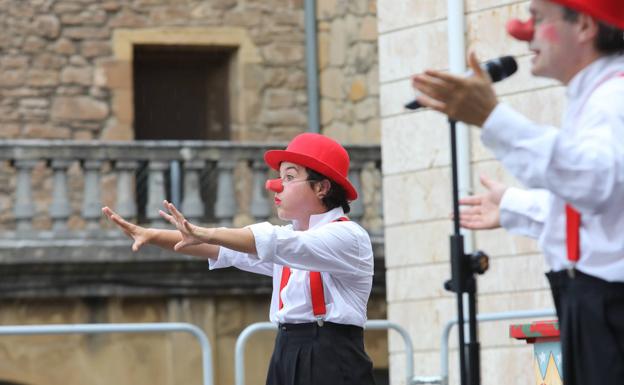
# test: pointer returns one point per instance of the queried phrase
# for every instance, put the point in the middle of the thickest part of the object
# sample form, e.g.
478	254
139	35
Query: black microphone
498	69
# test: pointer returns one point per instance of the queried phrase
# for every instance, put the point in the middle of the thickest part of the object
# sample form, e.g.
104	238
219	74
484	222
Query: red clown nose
521	30
274	185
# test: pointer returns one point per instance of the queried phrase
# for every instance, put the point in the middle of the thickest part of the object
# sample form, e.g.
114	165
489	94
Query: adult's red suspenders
316	289
573	219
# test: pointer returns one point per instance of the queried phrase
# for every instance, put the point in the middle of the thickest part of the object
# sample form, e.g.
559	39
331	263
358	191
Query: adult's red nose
521	30
274	185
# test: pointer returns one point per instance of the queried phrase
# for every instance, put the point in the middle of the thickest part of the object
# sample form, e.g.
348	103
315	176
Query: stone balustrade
213	183
55	242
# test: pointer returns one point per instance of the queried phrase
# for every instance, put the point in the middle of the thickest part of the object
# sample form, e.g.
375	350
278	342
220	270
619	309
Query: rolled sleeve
242	261
264	236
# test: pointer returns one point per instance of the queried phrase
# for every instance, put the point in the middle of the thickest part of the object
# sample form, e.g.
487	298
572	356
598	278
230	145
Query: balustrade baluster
192	205
357	206
92	203
60	209
225	205
260	207
24	210
156	192
126	201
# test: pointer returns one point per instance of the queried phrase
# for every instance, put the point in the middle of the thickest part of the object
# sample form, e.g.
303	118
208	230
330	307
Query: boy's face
298	200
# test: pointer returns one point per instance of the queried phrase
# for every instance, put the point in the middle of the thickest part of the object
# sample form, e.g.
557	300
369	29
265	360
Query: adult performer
321	264
575	205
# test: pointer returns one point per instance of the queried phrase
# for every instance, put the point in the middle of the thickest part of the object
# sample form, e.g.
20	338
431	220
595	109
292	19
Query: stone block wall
62	74
66	67
348	69
417	201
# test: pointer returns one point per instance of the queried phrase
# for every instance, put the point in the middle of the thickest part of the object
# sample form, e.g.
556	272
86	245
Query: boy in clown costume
321	264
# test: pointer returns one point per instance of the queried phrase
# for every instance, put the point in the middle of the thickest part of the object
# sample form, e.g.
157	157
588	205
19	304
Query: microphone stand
463	269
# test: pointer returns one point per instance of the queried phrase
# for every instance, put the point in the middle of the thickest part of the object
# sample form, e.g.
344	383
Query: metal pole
122	328
311	66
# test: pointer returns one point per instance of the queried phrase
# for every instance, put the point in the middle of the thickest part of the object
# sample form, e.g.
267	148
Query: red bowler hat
608	11
319	153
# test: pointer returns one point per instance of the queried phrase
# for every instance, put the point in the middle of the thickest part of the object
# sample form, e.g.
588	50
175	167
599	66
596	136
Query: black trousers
307	354
591	321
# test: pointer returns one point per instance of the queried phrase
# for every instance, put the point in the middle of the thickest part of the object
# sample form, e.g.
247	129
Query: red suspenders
316	289
573	221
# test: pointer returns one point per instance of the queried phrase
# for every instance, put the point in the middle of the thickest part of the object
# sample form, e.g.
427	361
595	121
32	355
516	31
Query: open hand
140	235
483	211
467	99
191	234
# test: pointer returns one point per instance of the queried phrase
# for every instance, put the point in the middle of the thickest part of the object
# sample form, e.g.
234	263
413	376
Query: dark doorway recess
181	92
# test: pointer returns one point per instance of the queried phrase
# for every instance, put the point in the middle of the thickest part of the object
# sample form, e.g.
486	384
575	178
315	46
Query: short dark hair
336	196
610	40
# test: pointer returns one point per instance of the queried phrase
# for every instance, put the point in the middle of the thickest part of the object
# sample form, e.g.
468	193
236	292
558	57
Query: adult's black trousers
591	321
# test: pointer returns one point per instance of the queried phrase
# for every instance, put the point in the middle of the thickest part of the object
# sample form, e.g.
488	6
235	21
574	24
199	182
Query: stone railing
215	183
55	241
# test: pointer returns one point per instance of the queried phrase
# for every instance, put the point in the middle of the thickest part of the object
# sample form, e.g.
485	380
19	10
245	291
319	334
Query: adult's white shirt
341	251
581	164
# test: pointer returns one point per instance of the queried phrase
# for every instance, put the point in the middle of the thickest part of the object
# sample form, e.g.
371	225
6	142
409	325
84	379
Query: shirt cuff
521	210
513	201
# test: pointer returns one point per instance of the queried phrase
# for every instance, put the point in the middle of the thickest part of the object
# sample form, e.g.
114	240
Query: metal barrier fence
484	317
239	355
207	374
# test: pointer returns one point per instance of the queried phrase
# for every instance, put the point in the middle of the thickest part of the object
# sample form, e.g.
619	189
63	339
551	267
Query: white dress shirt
581	164
341	251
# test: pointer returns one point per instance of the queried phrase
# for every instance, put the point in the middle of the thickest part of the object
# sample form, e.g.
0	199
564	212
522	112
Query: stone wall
62	75
65	66
416	157
348	69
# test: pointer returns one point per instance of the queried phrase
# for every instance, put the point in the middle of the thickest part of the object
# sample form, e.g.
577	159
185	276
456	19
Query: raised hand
467	99
191	234
140	235
483	211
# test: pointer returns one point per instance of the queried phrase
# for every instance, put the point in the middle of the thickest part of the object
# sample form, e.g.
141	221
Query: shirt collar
317	220
585	80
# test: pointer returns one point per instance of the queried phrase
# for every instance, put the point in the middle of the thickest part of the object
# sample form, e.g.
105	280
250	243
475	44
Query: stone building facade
68	71
416	174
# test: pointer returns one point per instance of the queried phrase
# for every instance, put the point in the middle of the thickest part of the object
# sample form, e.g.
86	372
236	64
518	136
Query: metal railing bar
60	329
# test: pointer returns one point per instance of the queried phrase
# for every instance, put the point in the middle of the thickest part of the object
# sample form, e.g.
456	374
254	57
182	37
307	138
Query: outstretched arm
166	239
241	240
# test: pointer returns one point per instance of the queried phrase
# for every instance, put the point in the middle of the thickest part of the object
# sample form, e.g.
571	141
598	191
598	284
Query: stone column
357	206
92	202
260	208
156	192
126	199
24	210
225	205
192	205
60	209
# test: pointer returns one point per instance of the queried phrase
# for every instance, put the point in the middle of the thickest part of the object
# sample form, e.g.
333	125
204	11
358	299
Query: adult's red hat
319	153
608	11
